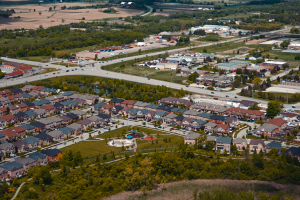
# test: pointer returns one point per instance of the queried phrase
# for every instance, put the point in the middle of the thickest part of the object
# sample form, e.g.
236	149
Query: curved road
150	11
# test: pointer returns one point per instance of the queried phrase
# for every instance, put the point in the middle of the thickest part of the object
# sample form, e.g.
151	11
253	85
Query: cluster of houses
19	166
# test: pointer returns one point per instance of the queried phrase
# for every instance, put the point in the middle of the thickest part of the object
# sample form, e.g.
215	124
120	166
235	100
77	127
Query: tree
161	10
40	13
274	108
50	9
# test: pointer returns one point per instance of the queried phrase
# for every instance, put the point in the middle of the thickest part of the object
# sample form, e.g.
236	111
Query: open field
92	148
32	20
251	42
187	189
243	49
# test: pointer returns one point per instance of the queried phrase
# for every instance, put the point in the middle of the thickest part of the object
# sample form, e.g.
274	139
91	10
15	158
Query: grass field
94	147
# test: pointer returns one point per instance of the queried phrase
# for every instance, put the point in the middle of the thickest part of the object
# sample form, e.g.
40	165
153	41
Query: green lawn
91	149
215	48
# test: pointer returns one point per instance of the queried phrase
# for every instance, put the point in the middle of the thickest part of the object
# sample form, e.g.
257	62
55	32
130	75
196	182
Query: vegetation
112	88
145	172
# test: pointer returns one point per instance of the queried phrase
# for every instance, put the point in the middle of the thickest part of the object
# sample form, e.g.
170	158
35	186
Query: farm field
34	15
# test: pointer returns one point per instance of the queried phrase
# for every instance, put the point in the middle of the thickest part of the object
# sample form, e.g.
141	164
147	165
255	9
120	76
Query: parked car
212	92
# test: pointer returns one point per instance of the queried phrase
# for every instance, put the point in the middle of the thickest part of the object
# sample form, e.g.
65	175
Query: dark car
293	107
67	70
235	97
212	92
227	96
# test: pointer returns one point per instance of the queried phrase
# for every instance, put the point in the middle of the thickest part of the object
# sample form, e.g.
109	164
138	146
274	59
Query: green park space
91	148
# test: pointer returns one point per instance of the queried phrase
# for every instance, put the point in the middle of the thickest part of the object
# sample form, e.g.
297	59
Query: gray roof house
33	141
56	134
26	162
67	131
76	127
273	145
12	166
191	138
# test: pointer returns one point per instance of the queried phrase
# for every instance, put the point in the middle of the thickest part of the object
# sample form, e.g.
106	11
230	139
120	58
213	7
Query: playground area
120	143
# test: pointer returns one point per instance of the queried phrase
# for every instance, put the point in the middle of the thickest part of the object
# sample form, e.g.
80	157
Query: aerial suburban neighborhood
149	99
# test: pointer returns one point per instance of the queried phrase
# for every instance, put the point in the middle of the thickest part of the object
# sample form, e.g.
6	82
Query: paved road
150	11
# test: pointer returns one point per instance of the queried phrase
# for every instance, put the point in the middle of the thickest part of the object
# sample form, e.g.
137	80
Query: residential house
128	103
54	99
47	91
222	129
41	113
68	94
34	94
13	109
80	113
30	114
29	105
80	102
3	174
9	119
232	122
223	143
22	107
292	151
65	119
15	91
21	116
125	111
245	104
26	162
116	109
21	146
28	88
76	127
267	129
4	101
39	127
281	123
39	158
67	131
44	138
56	135
96	121
41	103
107	108
191	138
14	169
32	142
149	116
210	127
191	114
140	105
152	107
241	144
9	134
218	119
159	115
116	101
58	106
2	138
165	108
204	116
72	116
273	145
178	120
258	145
37	89
7	148
50	109
187	122
51	154
98	106
20	130
28	128
3	123
175	101
290	116
85	123
3	111
105	118
169	118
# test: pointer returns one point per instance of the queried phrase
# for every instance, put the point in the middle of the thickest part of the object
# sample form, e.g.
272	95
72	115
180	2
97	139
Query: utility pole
287	97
